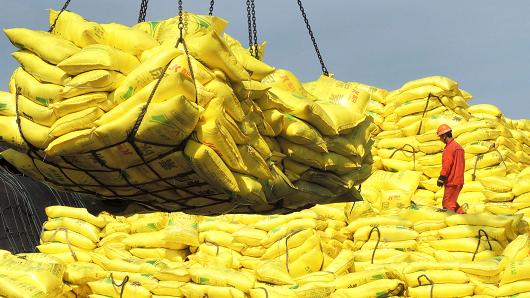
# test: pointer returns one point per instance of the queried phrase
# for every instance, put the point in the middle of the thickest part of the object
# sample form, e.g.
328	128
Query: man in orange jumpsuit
453	166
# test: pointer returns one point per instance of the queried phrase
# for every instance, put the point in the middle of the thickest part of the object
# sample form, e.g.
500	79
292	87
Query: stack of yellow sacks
221	132
337	250
497	148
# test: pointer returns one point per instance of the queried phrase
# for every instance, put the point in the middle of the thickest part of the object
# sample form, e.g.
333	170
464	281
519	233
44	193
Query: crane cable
252	29
304	16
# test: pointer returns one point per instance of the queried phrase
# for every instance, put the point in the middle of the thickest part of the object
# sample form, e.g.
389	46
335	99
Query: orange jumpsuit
453	166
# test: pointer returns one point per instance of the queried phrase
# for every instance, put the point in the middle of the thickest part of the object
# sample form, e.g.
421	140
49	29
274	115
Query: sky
482	44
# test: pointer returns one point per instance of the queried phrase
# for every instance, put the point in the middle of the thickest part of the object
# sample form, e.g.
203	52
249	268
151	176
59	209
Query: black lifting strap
324	68
252	29
210	11
143	11
58	15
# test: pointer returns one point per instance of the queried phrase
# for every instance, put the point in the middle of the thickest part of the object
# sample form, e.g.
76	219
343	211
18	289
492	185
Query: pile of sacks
220	132
407	149
335	250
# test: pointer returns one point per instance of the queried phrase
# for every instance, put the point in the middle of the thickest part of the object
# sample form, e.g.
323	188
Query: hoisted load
179	118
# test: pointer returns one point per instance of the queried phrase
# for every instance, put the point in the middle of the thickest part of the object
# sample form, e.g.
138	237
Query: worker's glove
441	181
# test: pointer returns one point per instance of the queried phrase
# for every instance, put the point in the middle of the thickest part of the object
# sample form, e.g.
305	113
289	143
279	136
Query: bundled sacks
336	250
229	138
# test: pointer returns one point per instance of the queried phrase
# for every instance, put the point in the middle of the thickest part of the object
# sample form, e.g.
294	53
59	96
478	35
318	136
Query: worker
453	166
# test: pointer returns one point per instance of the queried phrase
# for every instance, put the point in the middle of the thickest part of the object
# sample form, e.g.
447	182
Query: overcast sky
482	44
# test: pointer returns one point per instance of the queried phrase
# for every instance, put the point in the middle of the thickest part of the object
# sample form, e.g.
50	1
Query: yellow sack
13	285
394	165
390	287
75	121
478	147
521	185
210	132
414	106
92	81
330	161
461	256
75	28
222	278
107	287
41	93
68	237
437	277
148	71
517	249
442	290
431	147
496	184
515	271
207	164
463	231
341	263
82	272
59	248
373	221
497	221
485	108
213	51
352	280
250	190
40	69
255	164
77	213
388	233
127	39
34	133
172	85
99	56
160	253
299	132
255	67
75	225
465	245
43	115
51	48
478	135
514	289
274	272
197	291
168	288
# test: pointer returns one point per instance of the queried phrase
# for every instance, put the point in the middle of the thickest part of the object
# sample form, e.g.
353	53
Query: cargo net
22	210
194	124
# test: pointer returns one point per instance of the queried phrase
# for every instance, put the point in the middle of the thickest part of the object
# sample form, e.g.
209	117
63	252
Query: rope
378	240
430	282
58	15
143	11
403	149
287	248
481	231
65	236
266	292
481	156
306	21
122	285
210	11
424	111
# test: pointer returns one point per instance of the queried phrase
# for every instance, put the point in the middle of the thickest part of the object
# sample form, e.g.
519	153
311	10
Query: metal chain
181	22
254	30
143	11
324	69
210	12
62	9
250	33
